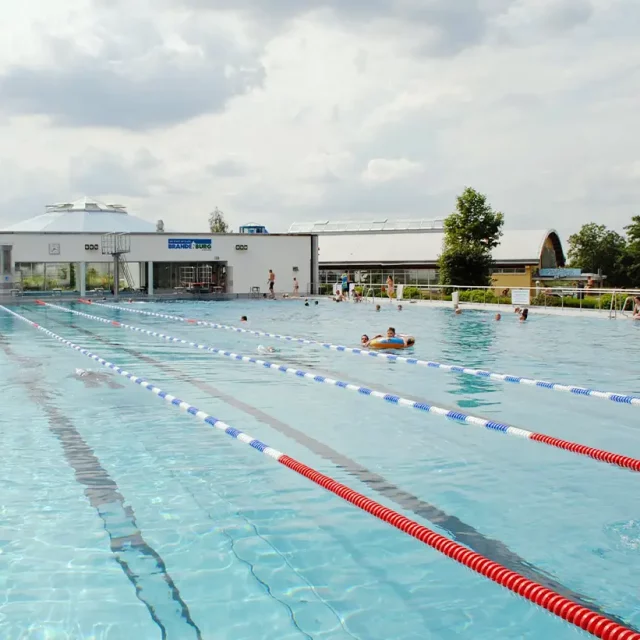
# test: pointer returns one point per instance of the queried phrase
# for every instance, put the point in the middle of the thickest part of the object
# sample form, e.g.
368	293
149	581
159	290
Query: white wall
249	267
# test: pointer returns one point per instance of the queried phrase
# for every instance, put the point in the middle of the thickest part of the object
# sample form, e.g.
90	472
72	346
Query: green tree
217	223
595	248
632	253
465	264
470	233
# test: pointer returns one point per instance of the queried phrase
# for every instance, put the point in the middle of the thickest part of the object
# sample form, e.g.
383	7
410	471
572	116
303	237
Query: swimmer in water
263	349
93	379
377	307
243	319
524	315
364	341
498	317
399	307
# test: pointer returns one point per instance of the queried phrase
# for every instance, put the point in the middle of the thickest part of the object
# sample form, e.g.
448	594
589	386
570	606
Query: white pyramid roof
86	215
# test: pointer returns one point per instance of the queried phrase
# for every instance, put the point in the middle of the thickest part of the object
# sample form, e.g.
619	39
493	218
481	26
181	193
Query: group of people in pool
394	340
524	314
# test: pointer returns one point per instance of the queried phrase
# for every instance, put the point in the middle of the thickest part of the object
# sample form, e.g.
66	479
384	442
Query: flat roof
379	248
367	226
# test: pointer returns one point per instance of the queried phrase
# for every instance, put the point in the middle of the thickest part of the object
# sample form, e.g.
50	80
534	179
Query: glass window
6	260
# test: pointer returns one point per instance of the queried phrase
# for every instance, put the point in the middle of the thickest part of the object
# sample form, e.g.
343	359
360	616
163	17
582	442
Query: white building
69	247
408	251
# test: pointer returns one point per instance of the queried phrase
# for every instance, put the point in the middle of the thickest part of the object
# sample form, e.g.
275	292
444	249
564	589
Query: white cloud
387	170
284	110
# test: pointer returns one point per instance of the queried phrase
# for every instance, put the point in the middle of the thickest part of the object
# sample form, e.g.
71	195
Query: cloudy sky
286	110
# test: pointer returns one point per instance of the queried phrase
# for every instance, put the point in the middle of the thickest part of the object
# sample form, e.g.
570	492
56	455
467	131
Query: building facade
408	251
71	247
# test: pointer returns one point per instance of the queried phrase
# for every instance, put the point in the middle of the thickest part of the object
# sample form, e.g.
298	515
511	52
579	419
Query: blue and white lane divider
457	416
620	398
583	618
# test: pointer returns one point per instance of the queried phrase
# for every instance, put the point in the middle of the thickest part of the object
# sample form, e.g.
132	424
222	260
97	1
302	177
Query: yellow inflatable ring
397	342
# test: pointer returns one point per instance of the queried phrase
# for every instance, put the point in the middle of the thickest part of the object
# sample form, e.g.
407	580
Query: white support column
150	278
82	278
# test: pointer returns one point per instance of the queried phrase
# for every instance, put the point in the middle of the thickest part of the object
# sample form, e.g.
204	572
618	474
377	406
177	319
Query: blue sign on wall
559	273
204	244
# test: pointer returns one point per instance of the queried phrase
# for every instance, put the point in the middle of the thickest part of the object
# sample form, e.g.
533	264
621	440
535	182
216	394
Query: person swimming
93	379
524	315
364	341
498	317
243	319
263	349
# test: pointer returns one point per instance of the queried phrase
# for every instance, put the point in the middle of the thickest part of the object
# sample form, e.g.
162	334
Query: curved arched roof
424	247
85	215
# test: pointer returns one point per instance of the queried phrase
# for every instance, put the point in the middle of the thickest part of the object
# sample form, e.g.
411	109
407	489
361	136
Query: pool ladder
367	292
613	310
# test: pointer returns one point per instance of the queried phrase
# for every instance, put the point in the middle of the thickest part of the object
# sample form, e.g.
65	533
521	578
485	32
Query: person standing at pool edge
345	284
296	287
272	282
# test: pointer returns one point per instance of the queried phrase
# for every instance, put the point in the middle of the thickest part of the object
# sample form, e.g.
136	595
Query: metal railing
609	300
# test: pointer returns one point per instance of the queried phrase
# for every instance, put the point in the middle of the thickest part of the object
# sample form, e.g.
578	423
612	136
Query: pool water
122	517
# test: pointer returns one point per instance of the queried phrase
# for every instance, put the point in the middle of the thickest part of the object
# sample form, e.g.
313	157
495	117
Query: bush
411	293
568	301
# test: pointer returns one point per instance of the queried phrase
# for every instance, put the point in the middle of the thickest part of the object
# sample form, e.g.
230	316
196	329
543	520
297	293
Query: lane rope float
620	398
601	455
583	618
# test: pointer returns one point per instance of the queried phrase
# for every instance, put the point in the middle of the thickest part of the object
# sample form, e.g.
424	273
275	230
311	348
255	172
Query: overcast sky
287	110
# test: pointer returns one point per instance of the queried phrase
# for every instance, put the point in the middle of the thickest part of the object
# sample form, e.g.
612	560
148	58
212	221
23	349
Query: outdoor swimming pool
122	517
